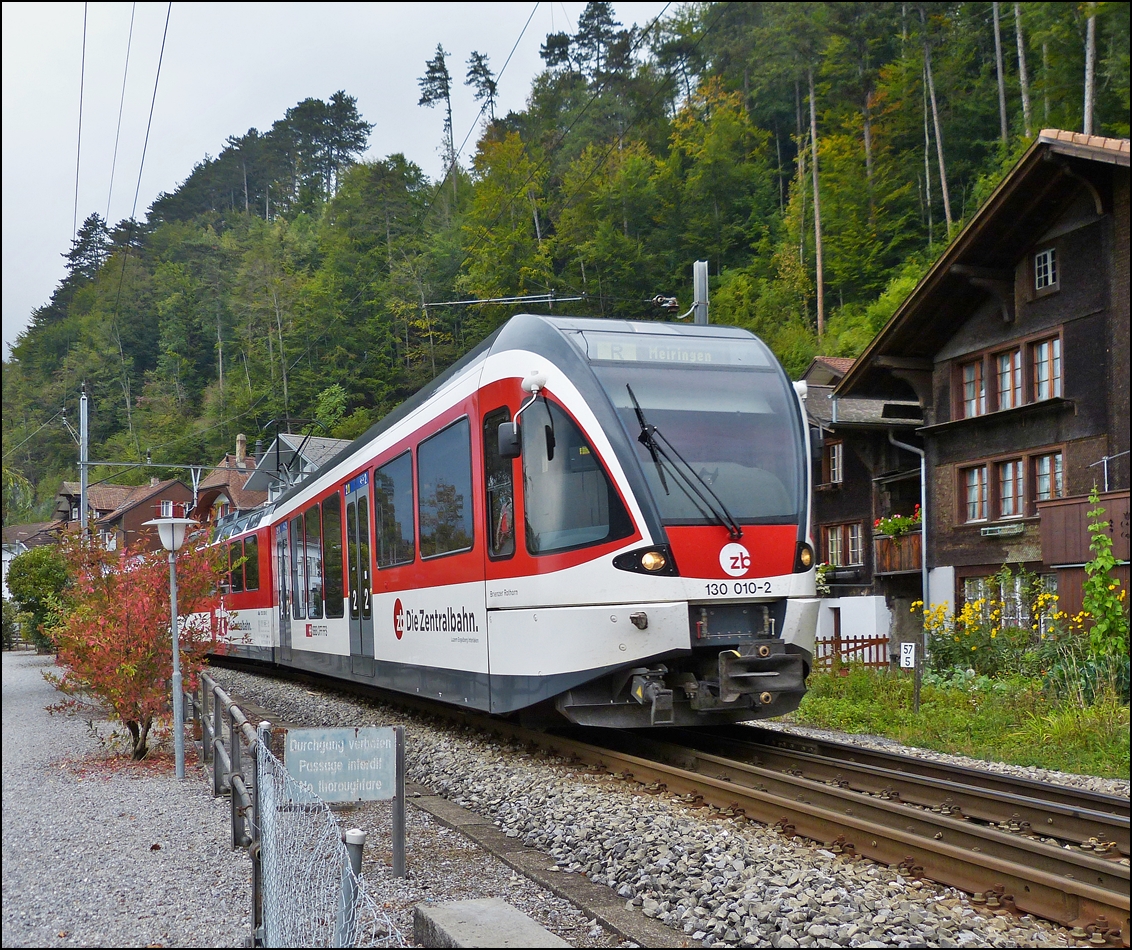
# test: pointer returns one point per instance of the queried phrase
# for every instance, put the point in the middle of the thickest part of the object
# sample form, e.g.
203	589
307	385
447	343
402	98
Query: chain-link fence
308	890
312	894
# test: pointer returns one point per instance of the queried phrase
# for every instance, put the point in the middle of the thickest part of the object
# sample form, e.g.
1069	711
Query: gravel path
98	855
724	880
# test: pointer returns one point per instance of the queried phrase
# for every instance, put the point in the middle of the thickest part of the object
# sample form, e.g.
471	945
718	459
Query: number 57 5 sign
907	656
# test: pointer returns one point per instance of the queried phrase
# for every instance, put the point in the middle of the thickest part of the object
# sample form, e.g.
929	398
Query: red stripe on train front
708	551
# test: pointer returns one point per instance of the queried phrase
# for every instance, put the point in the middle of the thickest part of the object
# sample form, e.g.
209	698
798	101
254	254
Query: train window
363	553
498	479
314	562
444	479
332	554
298	570
236	554
569	500
352	547
393	511
251	563
225	574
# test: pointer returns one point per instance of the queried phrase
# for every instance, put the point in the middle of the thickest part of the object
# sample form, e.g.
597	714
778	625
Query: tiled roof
840	364
138	495
100	497
1098	147
230	478
32	535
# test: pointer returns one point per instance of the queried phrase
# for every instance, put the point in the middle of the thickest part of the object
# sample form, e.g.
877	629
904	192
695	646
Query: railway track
1016	845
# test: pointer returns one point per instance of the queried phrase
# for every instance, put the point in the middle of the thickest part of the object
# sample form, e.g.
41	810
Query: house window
975	484
843	545
1009	377
974	390
832	465
1047	369
1010	491
1047	477
1045	269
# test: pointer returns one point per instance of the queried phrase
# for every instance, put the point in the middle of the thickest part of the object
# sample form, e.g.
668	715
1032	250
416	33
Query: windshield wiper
646	439
703	495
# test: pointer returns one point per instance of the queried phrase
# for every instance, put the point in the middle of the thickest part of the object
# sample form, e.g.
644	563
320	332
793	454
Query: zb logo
398	619
734	559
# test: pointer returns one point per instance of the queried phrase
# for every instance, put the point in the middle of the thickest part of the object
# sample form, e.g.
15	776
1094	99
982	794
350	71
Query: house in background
101	500
864	474
124	527
1015	344
224	492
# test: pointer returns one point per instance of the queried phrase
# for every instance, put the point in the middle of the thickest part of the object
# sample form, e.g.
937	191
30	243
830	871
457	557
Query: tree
90	249
481	78
114	642
436	86
36	581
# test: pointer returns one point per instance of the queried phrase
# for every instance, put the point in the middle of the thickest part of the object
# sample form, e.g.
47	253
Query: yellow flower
973	647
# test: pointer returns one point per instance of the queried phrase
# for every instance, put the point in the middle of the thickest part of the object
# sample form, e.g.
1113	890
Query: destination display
673	349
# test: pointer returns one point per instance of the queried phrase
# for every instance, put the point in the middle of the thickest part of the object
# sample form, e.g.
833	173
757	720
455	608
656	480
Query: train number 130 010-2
716	589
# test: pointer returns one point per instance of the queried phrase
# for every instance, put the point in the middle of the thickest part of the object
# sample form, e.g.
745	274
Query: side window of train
225	573
236	558
251	563
298	570
444	489
314	562
332	554
393	510
569	500
500	491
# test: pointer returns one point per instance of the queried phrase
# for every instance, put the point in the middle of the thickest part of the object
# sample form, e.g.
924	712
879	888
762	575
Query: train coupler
648	689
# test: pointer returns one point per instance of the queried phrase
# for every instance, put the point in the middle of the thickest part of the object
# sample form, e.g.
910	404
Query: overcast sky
227	67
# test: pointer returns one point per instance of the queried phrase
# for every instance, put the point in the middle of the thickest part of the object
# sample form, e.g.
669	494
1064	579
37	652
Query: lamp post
172	532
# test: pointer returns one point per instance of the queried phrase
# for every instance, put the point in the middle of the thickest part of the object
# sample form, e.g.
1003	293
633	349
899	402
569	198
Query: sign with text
908	656
344	765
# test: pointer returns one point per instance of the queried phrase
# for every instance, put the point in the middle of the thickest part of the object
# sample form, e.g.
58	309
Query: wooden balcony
897	555
1065	527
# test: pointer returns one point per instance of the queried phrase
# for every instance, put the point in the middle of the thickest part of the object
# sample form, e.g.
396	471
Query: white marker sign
907	656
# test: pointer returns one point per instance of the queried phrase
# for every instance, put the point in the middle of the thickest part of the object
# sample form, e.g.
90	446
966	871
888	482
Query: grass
1008	720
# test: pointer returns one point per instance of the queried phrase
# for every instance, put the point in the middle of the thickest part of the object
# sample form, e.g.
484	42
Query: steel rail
1023	809
1017	785
1057	884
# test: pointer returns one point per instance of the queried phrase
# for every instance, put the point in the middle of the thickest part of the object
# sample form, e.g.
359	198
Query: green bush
37	580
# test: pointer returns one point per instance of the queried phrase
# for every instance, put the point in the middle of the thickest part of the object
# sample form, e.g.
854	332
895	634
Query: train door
283	573
358	572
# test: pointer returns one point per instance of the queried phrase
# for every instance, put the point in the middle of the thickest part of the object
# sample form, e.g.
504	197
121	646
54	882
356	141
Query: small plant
821	576
897	526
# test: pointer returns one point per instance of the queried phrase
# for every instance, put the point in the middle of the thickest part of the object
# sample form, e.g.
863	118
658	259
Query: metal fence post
263	734
399	806
205	726
235	768
345	924
217	736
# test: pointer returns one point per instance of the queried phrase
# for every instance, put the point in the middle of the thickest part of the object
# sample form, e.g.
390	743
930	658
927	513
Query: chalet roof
980	260
860	411
230	478
824	370
101	498
32	535
138	496
277	466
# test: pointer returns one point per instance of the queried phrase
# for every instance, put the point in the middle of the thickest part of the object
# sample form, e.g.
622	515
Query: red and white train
601	520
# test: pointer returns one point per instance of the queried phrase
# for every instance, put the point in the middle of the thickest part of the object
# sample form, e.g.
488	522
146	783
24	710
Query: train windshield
718	428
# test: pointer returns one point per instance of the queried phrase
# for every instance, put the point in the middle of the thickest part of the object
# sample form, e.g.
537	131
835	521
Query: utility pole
84	458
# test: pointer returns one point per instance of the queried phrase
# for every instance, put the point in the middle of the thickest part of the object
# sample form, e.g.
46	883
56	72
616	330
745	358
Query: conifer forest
817	155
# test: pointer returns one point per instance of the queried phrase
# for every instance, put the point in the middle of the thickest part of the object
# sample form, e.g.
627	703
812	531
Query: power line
79	139
121	106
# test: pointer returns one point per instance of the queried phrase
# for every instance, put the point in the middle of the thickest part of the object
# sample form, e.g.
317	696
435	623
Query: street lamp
172	532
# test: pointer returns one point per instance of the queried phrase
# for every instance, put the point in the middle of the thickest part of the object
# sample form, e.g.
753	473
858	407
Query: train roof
538	332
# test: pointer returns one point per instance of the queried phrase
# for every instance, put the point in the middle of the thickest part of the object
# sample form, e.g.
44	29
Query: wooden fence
833	652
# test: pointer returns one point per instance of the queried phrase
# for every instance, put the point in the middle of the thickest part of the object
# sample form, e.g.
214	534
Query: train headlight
805	558
655	560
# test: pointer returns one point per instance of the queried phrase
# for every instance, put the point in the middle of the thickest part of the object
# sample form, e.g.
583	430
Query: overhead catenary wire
79	137
121	107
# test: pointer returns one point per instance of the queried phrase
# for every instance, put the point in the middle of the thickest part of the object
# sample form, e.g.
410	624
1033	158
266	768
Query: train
593	521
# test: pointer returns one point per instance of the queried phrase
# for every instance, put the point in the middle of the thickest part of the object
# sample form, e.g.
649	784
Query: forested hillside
287	280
